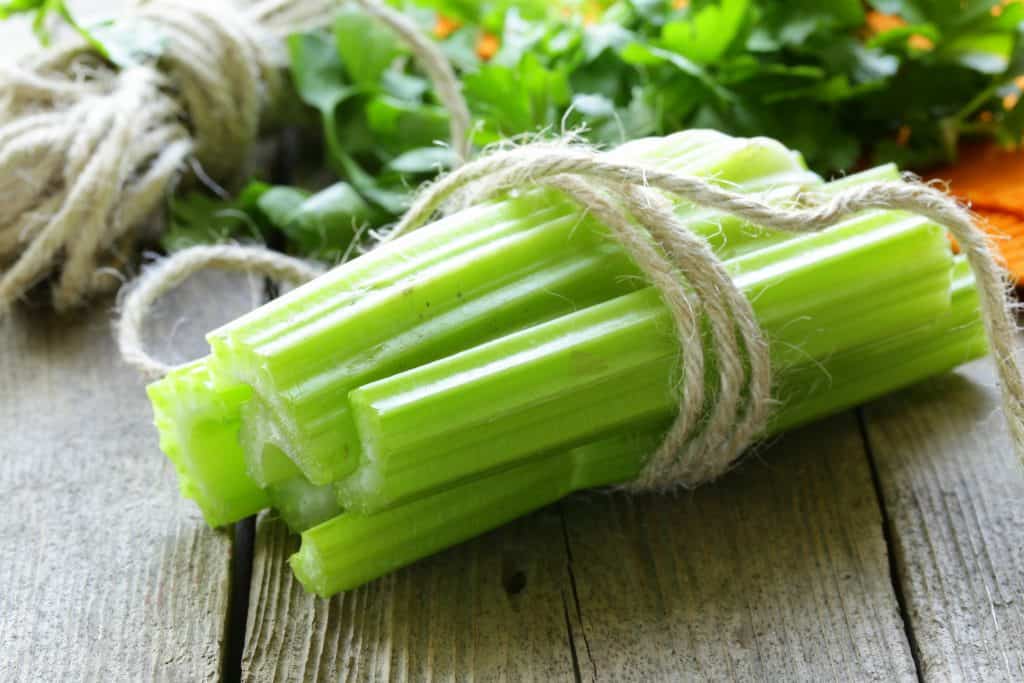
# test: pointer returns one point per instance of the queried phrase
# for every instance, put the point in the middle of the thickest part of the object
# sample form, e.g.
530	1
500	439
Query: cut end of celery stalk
198	426
265	451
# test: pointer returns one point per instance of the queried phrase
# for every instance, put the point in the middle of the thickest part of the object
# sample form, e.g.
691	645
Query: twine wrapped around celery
690	278
88	151
713	424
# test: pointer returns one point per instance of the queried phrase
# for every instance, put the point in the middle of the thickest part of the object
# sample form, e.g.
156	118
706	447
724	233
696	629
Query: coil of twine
89	151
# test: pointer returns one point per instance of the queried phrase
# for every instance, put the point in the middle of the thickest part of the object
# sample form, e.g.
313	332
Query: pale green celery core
303	505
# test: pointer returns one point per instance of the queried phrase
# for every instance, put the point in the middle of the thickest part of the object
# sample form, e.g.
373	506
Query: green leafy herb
846	83
43	10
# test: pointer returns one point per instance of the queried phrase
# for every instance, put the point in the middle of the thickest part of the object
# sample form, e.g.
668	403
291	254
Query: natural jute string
703	442
89	151
168	273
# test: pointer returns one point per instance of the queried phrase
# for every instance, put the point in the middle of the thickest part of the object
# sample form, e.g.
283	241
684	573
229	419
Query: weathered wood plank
953	491
491	609
105	574
778	572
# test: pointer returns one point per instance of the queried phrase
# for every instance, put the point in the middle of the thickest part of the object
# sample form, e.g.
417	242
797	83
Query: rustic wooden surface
781	571
778	573
953	491
105	574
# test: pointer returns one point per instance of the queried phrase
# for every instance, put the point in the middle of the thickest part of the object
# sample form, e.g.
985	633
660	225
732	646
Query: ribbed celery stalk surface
354	548
474	276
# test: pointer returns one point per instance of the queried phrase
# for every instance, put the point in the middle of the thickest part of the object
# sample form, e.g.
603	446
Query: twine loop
166	274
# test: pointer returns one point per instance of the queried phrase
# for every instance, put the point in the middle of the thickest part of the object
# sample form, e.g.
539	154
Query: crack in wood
890	546
575	598
577	674
238	599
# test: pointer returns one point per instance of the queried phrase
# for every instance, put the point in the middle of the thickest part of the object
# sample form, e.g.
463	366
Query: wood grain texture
494	608
105	574
779	572
954	495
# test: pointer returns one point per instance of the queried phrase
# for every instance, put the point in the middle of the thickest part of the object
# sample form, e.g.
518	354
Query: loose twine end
137	299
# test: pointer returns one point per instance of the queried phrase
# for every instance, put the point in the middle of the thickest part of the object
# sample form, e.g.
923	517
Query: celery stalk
607	366
685	152
729	234
354	548
198	425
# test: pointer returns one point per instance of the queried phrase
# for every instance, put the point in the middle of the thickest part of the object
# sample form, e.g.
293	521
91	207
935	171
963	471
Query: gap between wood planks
890	545
281	169
238	599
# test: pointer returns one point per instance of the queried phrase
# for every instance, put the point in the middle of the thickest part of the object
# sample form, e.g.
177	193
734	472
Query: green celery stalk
479	224
607	366
198	424
732	236
867	372
737	159
354	548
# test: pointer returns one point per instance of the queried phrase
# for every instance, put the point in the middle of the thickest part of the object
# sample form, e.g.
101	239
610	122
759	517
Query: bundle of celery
509	354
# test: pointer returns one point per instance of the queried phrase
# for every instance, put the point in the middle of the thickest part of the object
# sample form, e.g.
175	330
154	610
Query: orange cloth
992	180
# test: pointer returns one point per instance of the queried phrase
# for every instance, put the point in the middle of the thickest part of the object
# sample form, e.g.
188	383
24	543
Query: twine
710	432
166	274
704	443
88	152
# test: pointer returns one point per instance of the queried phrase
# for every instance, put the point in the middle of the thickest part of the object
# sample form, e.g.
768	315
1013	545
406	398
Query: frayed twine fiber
88	152
702	443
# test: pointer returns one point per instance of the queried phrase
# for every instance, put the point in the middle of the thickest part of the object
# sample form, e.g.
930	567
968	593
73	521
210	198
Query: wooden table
882	544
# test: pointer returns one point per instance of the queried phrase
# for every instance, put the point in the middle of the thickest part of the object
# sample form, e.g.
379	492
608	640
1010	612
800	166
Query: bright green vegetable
198	424
614	364
354	548
304	353
509	354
